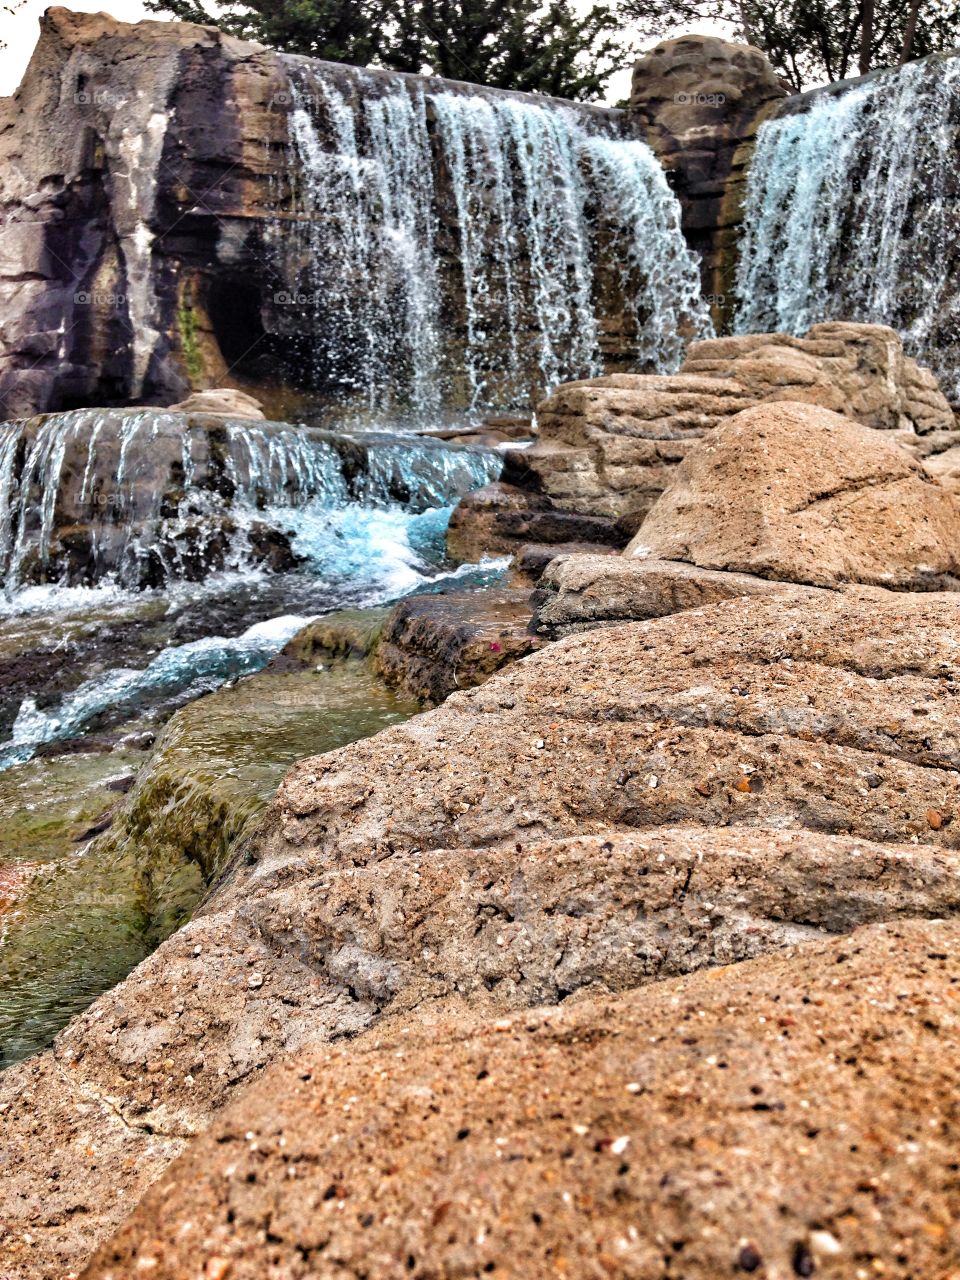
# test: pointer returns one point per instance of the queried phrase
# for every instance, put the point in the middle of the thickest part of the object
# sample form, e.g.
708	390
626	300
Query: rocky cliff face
699	101
159	237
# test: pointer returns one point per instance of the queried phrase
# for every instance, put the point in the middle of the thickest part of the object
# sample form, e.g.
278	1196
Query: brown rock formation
608	445
797	493
499	518
143	177
792	1116
226	400
434	644
500	850
699	101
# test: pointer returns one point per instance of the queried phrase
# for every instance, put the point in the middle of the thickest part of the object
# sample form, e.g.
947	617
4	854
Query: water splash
850	214
144	499
188	669
457	249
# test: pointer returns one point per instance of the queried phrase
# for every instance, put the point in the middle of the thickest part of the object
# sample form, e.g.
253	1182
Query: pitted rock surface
580	592
504	850
793	1115
608	446
797	493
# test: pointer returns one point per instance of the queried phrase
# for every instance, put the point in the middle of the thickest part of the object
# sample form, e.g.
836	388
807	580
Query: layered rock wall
150	216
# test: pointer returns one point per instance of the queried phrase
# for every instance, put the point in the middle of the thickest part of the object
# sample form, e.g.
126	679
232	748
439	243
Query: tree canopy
508	44
812	41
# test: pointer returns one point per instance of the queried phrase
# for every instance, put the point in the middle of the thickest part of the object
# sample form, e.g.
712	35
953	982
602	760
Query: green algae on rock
95	908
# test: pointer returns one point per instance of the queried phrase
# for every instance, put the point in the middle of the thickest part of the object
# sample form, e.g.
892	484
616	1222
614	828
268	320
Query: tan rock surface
387	871
797	493
327	955
794	1115
608	445
229	401
580	592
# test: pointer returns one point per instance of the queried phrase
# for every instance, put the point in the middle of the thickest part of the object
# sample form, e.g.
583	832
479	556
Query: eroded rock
331	952
794	1115
608	446
797	493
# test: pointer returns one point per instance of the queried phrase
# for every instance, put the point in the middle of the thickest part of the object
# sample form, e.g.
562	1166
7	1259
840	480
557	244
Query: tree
812	41
539	46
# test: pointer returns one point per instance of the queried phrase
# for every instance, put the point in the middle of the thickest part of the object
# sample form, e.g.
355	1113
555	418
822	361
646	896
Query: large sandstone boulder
503	850
792	1116
608	446
797	493
332	953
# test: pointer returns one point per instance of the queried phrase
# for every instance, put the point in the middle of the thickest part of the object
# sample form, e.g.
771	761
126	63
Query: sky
19	31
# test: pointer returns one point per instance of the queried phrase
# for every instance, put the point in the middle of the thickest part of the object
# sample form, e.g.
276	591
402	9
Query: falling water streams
460	250
850	214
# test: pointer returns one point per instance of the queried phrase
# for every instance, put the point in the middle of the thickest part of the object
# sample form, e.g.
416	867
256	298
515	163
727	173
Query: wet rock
348	633
734	1117
533	558
579	592
699	101
437	643
229	401
501	517
797	493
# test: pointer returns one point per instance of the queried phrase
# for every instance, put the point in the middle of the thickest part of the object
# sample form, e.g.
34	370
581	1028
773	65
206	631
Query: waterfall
849	214
457	250
142	498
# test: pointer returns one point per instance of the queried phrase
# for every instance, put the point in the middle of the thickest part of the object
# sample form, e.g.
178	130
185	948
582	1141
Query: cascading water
449	249
142	499
850	214
268	523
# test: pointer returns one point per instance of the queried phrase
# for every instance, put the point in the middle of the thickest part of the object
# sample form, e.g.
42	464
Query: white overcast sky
19	31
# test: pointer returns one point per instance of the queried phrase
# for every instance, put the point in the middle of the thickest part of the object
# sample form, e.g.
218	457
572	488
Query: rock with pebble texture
580	592
797	493
387	876
791	1116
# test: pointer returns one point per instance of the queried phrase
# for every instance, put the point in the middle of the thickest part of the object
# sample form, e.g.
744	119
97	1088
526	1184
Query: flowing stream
850	214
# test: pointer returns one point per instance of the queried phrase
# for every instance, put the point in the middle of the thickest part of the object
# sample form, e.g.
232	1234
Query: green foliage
189	345
529	45
812	41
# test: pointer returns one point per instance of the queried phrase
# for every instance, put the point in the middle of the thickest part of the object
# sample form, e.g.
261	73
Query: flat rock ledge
791	1116
579	592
